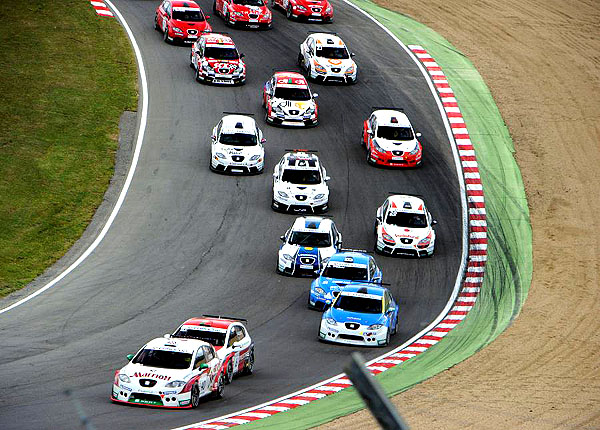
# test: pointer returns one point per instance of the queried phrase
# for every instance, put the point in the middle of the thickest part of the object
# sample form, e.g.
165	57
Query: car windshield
350	273
188	15
394	133
306	238
215	338
333	53
221	53
163	359
292	93
249	2
302	177
358	304
238	139
403	219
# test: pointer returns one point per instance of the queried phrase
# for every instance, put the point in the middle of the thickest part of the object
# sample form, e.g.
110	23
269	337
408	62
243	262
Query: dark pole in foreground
369	389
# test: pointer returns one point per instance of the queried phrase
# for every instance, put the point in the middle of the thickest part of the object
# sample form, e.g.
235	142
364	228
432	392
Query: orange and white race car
325	58
289	101
216	60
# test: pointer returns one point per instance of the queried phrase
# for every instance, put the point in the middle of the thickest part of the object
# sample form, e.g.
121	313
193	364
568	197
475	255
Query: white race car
237	146
307	246
300	184
171	373
230	338
289	101
325	58
404	226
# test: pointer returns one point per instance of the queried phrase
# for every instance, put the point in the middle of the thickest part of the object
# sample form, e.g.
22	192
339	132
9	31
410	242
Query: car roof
392	118
350	257
406	203
315	224
185	4
290	80
175	344
356	289
222	323
238	124
300	160
327	39
216	39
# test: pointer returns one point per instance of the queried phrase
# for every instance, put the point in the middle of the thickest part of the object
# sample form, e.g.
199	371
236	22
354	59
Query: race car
342	269
237	146
404	226
307	246
390	140
171	373
300	184
249	13
216	60
289	101
229	337
325	58
361	314
180	20
308	10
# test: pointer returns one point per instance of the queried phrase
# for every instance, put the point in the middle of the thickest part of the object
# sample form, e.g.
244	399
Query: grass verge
66	75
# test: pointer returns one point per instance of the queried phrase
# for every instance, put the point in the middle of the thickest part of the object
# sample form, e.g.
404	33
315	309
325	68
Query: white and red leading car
170	373
390	139
229	337
180	20
216	60
289	101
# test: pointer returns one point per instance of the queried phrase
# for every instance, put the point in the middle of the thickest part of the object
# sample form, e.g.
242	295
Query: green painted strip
509	268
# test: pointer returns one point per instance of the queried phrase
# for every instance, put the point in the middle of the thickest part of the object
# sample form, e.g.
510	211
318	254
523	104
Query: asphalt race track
188	241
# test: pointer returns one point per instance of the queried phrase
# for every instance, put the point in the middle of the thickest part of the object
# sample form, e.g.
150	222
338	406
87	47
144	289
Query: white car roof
238	124
327	39
391	118
407	204
175	344
314	224
300	161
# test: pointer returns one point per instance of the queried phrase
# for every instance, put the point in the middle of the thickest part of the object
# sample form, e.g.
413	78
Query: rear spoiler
225	317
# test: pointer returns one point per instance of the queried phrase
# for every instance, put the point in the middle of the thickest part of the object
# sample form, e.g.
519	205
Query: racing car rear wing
355	250
238	113
406	194
225	317
319	31
300	150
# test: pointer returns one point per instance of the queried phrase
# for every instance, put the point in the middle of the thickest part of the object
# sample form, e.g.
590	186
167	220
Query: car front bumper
223	166
404	250
361	336
157	399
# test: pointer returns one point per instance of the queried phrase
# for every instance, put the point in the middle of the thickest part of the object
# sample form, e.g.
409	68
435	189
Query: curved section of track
188	241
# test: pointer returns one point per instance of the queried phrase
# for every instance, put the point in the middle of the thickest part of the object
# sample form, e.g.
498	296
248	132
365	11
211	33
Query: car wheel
166	33
387	338
192	61
288	12
395	329
218	393
369	160
198	75
229	373
195	396
215	7
156	26
249	364
300	60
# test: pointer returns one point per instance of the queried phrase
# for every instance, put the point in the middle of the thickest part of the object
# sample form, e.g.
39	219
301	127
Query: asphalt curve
188	241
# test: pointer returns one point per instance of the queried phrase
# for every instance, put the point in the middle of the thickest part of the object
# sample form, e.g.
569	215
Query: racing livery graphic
404	226
216	60
171	373
307	246
180	20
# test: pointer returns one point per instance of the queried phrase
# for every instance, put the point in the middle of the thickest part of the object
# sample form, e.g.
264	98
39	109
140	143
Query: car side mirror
263	140
242	55
274	175
203	366
369	131
167	335
207	17
327	178
315	95
130	357
418	134
282	238
352	54
434	222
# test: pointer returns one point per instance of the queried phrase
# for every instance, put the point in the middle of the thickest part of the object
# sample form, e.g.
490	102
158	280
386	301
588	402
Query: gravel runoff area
541	60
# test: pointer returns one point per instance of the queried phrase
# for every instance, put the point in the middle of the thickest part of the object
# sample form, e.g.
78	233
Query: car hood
396	145
224	66
307	190
292	107
332	284
250	9
162	376
297	250
246	151
187	25
410	233
342	316
330	62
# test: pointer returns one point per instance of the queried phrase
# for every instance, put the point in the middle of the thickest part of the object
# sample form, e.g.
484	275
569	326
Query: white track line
132	167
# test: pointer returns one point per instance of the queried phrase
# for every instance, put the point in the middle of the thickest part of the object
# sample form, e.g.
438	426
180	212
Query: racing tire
195	396
395	329
198	76
387	338
288	12
215	7
191	62
229	373
156	26
166	34
369	160
227	20
300	60
218	393
249	367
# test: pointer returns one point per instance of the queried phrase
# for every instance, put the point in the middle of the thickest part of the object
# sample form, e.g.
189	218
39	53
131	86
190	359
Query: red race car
309	10
390	139
249	13
217	61
181	20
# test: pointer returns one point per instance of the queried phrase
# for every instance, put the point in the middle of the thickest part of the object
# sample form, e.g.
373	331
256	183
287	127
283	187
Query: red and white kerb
477	257
102	9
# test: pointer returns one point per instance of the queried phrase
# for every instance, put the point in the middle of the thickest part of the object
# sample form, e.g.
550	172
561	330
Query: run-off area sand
541	60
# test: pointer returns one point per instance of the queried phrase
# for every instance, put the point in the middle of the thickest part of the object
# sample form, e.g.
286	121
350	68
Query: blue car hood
342	316
302	252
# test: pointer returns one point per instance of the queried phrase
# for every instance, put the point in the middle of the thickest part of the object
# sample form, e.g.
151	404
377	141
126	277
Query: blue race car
342	269
361	314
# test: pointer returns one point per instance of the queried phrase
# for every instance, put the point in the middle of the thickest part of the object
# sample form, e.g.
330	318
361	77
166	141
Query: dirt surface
541	60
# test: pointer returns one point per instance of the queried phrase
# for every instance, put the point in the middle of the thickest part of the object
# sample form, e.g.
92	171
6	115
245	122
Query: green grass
66	75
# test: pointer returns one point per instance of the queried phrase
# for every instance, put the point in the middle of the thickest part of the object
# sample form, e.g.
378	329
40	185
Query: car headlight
288	257
415	151
268	14
205	66
328	10
309	111
375	326
319	68
319	290
377	147
255	157
124	378
301	8
350	70
424	243
387	238
277	109
240	14
331	321
177	29
175	384
319	196
219	155
282	194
